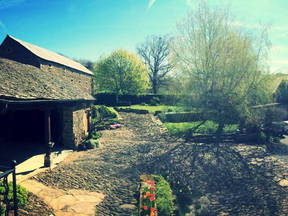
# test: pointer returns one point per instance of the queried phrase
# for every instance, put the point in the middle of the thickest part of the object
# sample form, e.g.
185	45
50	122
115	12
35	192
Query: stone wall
76	78
75	126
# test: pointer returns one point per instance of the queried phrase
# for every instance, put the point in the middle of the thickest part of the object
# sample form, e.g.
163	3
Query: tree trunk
219	131
155	87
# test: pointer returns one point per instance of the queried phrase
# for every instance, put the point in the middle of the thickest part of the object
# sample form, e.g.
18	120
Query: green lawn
209	127
163	108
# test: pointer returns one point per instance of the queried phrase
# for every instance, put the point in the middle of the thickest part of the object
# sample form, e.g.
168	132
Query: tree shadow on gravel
222	174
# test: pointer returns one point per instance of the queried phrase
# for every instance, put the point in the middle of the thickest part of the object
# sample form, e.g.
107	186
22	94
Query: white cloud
151	3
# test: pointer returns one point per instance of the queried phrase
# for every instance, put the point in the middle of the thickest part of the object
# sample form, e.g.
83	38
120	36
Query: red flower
145	207
152	189
153	210
152	198
147	193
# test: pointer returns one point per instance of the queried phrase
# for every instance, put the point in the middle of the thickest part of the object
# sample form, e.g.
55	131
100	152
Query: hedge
181	117
111	99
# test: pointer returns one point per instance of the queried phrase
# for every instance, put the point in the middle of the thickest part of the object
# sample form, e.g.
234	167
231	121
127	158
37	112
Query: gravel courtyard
114	170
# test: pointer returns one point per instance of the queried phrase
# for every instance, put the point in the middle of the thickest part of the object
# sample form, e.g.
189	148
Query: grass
179	129
163	108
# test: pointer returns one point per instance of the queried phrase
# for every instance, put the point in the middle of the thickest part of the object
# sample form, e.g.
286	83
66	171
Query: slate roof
51	56
22	81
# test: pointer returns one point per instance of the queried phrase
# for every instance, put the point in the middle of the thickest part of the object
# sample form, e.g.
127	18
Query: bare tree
87	63
155	53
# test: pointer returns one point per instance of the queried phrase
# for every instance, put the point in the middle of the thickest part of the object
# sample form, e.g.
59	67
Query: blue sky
87	29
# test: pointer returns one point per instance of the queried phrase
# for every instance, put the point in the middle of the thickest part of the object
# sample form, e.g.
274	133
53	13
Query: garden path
112	169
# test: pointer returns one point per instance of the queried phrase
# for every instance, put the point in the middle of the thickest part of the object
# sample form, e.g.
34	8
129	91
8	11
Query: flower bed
155	197
147	196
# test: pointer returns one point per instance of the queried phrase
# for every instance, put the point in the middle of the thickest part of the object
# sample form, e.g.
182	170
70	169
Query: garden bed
156	196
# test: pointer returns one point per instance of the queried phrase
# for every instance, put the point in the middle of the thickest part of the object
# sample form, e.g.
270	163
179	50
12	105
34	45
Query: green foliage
155	101
221	66
261	138
96	135
92	144
153	109
164	196
209	127
22	194
2	209
89	144
281	93
102	117
103	112
121	73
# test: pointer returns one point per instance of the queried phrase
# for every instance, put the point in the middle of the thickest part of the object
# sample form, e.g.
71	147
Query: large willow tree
222	66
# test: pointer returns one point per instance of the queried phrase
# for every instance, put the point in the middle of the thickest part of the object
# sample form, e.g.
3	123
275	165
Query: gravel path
112	169
238	179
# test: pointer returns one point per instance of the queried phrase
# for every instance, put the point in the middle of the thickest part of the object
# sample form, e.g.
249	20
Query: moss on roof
21	81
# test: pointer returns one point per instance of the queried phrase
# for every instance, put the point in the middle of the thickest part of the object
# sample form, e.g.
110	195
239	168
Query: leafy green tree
222	66
122	73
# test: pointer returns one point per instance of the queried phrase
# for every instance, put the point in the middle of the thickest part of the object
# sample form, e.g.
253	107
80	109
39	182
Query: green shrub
164	196
92	144
102	117
103	112
89	144
22	194
96	135
154	101
281	93
2	209
261	138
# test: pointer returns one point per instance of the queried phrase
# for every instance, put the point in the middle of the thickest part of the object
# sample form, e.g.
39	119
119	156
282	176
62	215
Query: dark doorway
22	126
22	134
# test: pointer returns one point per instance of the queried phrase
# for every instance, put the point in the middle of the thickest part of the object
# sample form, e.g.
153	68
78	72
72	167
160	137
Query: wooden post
88	116
15	200
47	159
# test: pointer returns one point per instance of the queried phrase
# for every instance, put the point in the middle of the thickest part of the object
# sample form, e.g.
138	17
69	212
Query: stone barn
44	97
